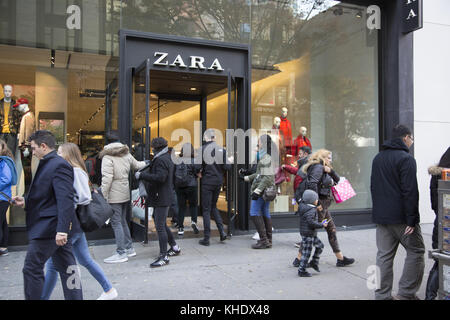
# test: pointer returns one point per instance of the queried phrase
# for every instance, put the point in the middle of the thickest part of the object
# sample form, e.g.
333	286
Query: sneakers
172	252
345	262
130	252
304	274
223	236
256	236
117	258
161	261
111	295
296	263
204	242
180	231
4	252
194	227
313	265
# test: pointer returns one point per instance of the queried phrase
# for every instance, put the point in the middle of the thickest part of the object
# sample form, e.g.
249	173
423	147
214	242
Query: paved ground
229	270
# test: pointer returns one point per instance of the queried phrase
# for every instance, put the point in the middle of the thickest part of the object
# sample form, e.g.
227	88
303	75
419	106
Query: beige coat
116	164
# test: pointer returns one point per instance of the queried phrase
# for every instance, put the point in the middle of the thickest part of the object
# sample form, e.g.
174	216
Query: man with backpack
186	187
214	164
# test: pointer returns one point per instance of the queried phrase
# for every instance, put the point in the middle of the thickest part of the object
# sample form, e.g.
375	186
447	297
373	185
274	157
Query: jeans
4	231
187	194
119	225
81	252
388	238
164	234
38	252
210	195
259	208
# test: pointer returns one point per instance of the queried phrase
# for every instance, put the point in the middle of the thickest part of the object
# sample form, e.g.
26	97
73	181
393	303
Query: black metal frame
127	71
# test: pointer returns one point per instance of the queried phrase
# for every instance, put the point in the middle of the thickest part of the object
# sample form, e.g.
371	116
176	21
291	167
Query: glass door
231	178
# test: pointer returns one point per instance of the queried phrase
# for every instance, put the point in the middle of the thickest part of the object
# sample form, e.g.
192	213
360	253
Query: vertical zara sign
412	15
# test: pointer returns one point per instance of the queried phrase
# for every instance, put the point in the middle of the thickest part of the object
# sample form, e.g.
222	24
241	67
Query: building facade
343	70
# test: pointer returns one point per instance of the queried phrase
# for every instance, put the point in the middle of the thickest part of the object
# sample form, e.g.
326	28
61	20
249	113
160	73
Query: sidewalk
229	270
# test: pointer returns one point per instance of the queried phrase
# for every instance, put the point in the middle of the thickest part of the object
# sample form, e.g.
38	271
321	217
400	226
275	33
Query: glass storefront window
65	95
317	59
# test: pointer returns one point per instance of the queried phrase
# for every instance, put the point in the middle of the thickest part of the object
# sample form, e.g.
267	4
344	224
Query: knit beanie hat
309	197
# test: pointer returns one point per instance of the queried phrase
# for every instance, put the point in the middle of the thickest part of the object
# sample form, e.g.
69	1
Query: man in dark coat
214	165
50	209
395	197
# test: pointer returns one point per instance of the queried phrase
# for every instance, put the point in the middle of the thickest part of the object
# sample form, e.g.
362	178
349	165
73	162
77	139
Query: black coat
320	181
49	203
158	180
308	220
393	184
212	173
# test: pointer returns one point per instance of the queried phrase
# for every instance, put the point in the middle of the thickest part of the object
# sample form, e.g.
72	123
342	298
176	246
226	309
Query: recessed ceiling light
193	89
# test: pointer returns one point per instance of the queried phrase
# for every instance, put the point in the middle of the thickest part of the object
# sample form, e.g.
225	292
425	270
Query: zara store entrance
175	87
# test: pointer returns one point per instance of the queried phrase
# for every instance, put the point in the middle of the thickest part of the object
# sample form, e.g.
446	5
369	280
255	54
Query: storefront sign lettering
74	20
195	62
374	17
412	15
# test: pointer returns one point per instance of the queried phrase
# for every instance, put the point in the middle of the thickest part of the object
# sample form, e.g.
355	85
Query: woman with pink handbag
320	178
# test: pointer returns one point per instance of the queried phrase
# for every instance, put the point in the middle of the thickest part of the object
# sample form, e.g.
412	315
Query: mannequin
301	140
9	119
27	127
280	175
286	129
27	124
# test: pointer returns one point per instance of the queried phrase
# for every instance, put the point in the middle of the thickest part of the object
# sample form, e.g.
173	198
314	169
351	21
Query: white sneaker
131	252
111	295
256	236
117	258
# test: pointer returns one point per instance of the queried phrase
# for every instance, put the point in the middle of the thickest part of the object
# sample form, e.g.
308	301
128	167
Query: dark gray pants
210	195
164	234
388	238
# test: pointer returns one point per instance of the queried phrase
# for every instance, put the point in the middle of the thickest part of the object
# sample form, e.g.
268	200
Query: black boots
268	226
345	262
263	242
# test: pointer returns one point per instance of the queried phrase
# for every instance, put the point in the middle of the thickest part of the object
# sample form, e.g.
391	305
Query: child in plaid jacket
308	230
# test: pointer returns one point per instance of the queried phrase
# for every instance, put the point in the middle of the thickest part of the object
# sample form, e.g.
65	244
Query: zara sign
412	15
194	62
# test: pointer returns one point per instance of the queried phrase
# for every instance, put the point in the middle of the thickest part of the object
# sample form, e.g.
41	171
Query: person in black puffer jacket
309	223
158	180
320	178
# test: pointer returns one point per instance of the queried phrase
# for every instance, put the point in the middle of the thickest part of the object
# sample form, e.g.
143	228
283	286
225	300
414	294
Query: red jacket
293	170
299	142
286	130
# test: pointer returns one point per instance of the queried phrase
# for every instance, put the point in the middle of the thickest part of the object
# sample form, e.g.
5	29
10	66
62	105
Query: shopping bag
343	191
95	214
138	206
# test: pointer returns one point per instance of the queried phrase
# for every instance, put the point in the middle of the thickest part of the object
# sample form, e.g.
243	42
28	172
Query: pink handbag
343	191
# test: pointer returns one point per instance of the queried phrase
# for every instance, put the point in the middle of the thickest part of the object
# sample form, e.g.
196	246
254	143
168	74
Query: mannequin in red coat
301	140
286	130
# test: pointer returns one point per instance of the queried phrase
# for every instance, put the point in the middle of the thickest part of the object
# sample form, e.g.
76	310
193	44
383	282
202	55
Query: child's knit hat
309	197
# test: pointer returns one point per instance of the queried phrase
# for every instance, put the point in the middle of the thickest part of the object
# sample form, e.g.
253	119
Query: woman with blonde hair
320	178
8	178
71	153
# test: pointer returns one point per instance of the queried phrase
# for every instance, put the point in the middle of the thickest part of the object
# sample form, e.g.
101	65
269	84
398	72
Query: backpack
181	175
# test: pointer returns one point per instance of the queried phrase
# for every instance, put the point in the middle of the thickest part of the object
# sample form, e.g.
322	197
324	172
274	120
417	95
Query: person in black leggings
158	180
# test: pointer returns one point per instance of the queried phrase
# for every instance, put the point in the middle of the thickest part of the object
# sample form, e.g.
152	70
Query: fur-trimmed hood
115	149
435	170
310	163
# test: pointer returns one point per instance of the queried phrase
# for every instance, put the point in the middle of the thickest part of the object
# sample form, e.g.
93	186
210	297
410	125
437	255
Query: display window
60	91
